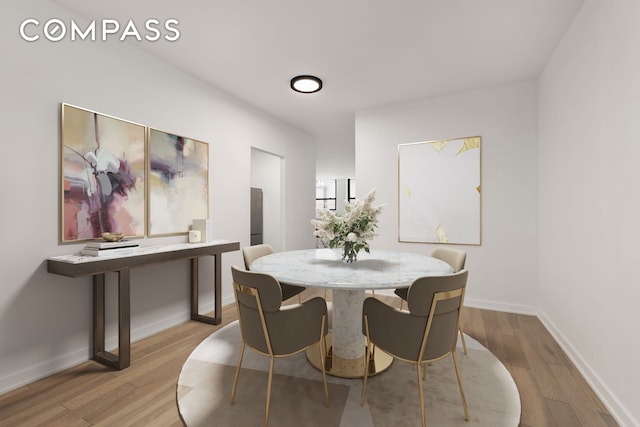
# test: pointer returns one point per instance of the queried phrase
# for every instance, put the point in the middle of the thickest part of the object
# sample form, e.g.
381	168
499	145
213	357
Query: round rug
297	396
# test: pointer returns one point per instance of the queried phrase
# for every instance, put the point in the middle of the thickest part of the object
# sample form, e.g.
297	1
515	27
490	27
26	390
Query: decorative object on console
351	231
195	236
439	199
126	250
178	182
101	244
102	175
205	227
109	247
112	237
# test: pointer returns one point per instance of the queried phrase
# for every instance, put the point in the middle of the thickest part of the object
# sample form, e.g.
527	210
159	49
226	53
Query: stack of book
104	248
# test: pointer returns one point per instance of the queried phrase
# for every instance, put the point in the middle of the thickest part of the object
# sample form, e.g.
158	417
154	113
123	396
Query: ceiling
369	53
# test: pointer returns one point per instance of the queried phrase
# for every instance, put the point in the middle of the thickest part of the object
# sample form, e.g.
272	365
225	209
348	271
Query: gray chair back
433	315
252	253
267	328
256	294
434	298
456	258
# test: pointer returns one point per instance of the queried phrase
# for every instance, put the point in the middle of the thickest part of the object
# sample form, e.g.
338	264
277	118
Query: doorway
266	175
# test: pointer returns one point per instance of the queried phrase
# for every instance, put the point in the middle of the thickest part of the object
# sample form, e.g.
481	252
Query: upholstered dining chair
272	331
252	253
456	258
429	328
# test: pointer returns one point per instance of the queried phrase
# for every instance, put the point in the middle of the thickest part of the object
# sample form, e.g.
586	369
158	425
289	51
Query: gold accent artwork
409	192
441	235
439	198
439	145
469	144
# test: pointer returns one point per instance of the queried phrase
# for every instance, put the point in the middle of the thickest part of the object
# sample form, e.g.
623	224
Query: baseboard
27	376
228	300
500	306
622	416
34	373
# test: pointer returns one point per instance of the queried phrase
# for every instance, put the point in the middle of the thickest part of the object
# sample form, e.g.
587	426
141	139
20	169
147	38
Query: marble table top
324	268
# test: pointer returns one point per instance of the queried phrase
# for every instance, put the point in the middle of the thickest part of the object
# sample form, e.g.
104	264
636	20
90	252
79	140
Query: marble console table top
143	250
324	268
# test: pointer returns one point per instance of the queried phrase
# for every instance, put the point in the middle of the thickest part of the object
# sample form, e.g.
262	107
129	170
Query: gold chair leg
235	379
464	401
266	414
464	345
367	354
322	346
421	391
401	303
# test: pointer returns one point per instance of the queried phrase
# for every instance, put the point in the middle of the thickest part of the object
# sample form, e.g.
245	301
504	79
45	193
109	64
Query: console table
97	267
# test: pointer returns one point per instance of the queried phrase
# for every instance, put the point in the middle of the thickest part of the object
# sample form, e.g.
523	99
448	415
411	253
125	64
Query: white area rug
204	391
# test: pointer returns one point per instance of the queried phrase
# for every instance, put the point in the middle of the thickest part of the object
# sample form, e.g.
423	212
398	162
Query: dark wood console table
79	266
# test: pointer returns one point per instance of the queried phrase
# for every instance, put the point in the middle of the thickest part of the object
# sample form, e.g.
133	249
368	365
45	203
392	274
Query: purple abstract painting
178	182
103	175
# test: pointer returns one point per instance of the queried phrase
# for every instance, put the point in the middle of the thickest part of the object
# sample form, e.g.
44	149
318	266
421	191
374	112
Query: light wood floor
552	391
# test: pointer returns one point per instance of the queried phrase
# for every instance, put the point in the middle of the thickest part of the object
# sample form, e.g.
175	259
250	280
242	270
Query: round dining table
348	281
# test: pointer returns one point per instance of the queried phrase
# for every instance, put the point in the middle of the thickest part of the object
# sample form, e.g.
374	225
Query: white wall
589	203
504	268
335	154
45	320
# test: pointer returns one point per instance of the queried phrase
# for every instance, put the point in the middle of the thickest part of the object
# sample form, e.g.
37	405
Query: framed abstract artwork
439	197
103	175
178	182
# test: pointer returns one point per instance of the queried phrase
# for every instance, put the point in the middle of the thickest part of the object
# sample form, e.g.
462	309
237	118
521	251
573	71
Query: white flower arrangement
353	230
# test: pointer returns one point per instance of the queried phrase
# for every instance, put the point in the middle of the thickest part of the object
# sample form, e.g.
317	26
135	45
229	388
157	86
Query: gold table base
348	368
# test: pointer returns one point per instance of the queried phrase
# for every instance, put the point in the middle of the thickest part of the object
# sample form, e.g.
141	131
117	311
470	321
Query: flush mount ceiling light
306	84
